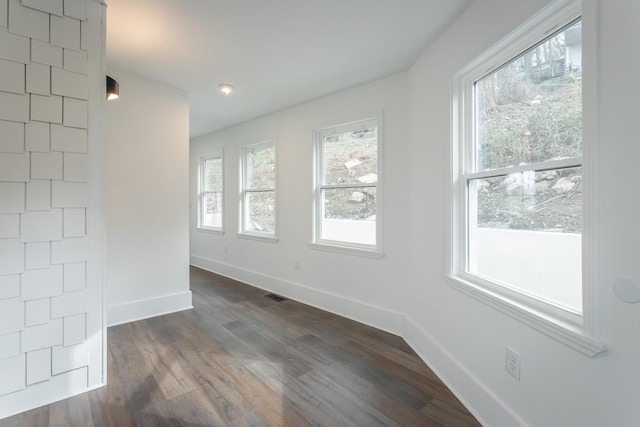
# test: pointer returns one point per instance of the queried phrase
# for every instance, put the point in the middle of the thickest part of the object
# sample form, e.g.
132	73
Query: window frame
578	332
202	193
271	237
350	248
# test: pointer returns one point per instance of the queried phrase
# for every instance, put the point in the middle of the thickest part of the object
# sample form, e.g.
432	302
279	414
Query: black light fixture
113	89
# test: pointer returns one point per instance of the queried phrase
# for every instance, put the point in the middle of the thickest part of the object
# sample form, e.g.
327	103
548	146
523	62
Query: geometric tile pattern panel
44	92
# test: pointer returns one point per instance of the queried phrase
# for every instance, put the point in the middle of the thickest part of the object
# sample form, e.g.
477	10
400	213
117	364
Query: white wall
147	216
370	290
51	201
463	339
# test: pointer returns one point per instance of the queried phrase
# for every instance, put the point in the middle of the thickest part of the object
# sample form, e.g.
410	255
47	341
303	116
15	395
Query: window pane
349	215
212	174
351	157
212	209
261	168
530	110
260	212
525	233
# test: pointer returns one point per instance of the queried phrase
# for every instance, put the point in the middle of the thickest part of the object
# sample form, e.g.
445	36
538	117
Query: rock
563	185
356	197
482	186
370	178
546	176
352	163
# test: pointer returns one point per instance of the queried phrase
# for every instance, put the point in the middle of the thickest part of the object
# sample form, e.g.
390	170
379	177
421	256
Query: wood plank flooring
240	359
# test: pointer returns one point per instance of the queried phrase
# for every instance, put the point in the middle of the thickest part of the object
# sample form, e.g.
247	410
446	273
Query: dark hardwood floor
240	359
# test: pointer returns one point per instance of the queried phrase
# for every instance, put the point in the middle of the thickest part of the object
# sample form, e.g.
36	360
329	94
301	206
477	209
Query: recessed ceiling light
225	88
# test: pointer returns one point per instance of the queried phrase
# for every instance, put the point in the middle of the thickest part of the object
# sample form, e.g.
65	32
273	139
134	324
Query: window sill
570	335
347	250
258	237
211	230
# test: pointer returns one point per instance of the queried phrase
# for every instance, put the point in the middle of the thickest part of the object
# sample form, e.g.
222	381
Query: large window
518	173
210	193
258	191
347	204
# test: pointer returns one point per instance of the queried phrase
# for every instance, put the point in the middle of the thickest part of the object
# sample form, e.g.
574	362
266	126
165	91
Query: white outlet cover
627	291
512	363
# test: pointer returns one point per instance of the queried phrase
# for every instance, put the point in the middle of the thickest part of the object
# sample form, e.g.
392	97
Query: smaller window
347	192
210	198
258	191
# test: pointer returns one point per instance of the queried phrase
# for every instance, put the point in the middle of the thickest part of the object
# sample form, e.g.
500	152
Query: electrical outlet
512	363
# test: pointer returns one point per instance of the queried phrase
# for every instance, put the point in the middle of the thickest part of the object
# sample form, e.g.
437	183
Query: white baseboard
368	314
144	309
476	397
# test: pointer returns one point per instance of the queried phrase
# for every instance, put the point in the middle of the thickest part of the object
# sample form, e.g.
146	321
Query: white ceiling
276	53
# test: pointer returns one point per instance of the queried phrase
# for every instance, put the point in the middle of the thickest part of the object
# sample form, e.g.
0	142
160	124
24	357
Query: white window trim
200	226
242	232
581	337
367	251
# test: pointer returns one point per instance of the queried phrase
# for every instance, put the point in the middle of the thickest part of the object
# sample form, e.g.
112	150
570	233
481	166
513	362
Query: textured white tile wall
76	61
38	312
50	6
76	113
46	108
12	256
9	226
44	53
9	286
38	255
41	226
44	186
37	136
46	165
38	195
41	336
12	372
9	345
12	76
69	194
65	32
14	167
38	80
14	47
74	222
12	197
74	329
75	276
13	137
75	9
68	139
68	83
14	107
38	366
69	358
69	250
11	315
28	22
68	304
41	283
